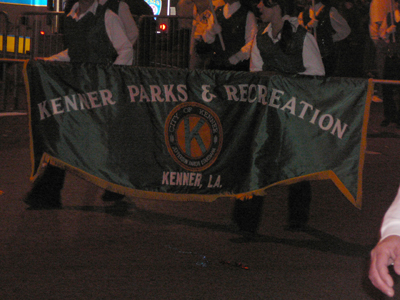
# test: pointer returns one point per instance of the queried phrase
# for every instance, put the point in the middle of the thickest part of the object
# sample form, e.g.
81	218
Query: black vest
234	37
288	62
325	30
87	39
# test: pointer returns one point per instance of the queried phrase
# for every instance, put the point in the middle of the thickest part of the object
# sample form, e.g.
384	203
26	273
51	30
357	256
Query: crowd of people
349	34
275	36
335	32
313	38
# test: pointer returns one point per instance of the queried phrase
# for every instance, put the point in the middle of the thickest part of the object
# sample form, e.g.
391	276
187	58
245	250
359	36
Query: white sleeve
256	61
339	24
132	31
251	31
391	220
312	57
116	33
382	31
208	35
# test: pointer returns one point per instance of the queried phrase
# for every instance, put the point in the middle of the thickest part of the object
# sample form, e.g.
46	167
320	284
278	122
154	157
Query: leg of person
247	214
299	205
396	90
389	106
46	192
381	49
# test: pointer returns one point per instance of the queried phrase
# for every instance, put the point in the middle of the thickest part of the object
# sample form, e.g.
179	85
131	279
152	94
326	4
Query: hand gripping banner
176	134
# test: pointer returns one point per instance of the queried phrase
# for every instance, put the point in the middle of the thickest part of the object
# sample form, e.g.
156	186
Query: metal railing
4	32
40	34
42	31
9	65
33	35
163	49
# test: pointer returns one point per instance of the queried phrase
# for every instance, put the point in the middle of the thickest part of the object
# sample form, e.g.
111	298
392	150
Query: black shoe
385	123
109	196
299	201
37	201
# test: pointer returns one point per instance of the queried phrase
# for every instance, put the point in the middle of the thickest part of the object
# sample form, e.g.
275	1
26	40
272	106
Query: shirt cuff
391	229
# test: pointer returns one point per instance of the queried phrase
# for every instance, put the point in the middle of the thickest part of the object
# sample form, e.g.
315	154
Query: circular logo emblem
193	134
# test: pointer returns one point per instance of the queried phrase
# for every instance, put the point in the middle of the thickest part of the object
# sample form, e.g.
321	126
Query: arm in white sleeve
131	29
391	220
339	24
118	38
385	28
312	57
250	33
208	34
256	61
382	31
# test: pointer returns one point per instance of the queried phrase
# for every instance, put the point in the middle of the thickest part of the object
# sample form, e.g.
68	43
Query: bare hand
391	29
385	253
312	24
233	59
216	28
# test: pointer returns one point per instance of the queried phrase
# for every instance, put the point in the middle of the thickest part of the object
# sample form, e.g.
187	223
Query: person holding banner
387	252
121	8
273	47
390	33
94	34
329	27
200	52
284	47
230	30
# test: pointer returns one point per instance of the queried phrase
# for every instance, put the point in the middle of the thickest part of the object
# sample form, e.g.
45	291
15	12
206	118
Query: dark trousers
390	92
299	201
47	188
247	213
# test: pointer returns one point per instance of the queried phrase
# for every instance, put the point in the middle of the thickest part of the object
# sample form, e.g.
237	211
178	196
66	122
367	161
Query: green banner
178	134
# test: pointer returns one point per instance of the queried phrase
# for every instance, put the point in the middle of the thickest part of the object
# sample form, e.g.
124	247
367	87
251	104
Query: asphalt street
147	249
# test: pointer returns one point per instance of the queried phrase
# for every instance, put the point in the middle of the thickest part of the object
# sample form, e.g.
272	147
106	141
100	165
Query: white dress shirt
115	31
311	56
131	29
391	220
